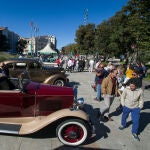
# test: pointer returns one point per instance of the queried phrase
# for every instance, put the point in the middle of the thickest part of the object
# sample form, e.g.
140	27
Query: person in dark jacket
136	79
4	71
100	75
5	83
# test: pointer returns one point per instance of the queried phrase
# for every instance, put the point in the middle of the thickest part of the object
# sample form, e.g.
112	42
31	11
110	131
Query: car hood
46	89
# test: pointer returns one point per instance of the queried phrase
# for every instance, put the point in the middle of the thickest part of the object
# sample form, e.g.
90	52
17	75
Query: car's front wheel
72	132
59	82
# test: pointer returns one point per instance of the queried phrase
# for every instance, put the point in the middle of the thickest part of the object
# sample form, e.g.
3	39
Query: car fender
52	78
42	121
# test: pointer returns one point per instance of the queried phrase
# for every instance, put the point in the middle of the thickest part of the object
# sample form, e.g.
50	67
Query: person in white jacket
91	65
132	102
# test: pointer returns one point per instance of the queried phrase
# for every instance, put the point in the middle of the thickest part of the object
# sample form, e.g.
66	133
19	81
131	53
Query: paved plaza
106	136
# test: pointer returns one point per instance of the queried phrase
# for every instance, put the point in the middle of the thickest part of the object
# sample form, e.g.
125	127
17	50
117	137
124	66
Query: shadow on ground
73	83
144	121
79	148
146	105
100	129
144	117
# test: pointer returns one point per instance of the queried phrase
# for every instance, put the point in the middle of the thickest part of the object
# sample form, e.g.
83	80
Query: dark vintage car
37	72
26	107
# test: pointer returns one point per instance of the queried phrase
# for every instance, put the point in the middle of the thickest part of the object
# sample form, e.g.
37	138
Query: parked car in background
26	107
37	72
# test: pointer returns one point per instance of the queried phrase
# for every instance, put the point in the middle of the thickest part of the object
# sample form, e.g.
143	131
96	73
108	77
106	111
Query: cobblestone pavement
106	137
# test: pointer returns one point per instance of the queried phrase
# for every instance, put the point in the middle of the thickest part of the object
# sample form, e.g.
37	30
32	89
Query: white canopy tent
47	50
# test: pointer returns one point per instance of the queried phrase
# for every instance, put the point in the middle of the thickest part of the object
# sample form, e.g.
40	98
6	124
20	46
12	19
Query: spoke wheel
72	132
59	82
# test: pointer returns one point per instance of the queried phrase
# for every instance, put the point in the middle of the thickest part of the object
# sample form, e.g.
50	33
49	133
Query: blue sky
60	18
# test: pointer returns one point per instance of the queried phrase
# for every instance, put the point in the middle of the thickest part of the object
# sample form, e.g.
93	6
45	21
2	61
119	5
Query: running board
10	128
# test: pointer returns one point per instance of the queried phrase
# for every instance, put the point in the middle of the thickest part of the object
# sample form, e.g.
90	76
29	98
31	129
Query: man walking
132	102
100	75
109	89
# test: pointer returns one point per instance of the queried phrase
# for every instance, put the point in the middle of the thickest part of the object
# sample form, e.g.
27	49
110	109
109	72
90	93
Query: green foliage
71	48
85	38
21	45
115	36
5	55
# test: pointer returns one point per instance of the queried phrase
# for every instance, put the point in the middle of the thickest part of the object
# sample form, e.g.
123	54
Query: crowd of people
111	81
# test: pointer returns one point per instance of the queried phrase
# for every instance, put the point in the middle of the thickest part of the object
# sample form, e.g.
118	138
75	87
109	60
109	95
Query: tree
138	12
102	38
120	40
71	48
115	36
85	38
21	45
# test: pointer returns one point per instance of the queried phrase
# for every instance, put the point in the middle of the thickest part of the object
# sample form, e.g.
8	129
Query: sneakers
102	98
96	99
121	128
108	118
135	136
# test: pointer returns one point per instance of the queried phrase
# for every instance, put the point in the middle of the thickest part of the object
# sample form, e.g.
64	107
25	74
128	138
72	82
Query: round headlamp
79	101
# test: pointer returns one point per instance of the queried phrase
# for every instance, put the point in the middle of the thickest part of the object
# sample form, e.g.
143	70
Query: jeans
135	115
98	88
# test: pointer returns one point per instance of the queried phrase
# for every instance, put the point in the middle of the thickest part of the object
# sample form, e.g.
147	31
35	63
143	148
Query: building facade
35	44
12	39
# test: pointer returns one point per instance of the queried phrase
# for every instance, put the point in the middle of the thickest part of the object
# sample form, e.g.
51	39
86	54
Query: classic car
38	72
27	107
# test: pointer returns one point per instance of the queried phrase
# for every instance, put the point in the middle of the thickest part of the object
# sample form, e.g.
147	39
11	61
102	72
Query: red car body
38	99
26	107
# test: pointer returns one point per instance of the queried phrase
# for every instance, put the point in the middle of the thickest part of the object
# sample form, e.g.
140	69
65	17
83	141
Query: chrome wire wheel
59	82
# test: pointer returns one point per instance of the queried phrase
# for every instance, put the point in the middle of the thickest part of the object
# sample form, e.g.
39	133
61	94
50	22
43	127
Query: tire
72	132
59	82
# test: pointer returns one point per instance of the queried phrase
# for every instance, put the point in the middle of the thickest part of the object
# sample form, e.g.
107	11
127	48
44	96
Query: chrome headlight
79	101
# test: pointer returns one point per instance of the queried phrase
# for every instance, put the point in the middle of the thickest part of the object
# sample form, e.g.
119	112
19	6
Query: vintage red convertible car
26	107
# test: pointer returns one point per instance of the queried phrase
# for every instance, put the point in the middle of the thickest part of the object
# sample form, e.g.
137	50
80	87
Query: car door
15	103
36	73
10	103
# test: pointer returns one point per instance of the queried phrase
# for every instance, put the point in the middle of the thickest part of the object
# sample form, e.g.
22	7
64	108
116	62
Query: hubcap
72	133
